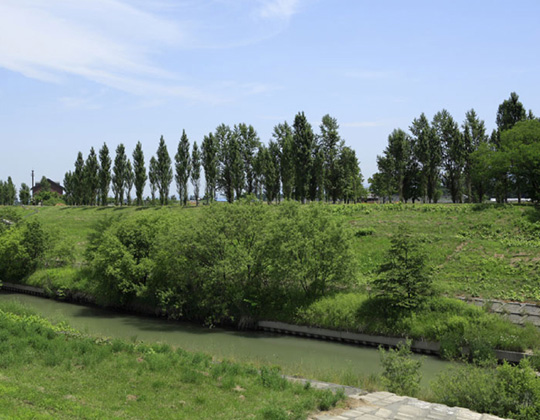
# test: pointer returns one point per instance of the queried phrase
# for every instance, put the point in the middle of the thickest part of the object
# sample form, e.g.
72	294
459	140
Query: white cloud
119	43
280	9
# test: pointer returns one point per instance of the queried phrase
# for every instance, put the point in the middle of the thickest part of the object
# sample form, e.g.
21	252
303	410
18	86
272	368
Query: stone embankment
516	312
385	405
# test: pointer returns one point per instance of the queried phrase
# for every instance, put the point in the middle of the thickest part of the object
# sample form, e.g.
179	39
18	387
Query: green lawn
51	372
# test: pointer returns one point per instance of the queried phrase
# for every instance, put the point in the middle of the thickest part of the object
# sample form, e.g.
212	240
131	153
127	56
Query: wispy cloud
280	9
118	43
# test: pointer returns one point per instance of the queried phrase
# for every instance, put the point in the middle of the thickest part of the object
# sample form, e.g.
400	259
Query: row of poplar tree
465	160
296	164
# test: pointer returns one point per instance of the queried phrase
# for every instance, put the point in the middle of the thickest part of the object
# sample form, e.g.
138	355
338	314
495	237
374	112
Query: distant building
55	186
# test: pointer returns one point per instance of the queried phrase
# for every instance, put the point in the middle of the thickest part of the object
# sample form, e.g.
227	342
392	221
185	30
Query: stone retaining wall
516	312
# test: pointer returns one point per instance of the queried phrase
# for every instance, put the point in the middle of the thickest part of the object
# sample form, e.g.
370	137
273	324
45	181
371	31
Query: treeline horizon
466	161
434	157
296	164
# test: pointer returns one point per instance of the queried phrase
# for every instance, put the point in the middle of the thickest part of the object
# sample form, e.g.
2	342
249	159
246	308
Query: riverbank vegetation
317	264
50	371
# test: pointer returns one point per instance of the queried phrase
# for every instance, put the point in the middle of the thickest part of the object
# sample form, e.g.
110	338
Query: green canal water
301	356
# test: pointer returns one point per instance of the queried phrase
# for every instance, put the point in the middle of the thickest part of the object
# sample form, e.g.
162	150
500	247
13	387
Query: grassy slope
489	251
45	374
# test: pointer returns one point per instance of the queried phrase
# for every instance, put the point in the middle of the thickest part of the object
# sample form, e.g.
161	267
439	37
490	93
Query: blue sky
77	73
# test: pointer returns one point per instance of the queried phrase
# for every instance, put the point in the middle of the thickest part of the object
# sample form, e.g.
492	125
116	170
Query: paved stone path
385	405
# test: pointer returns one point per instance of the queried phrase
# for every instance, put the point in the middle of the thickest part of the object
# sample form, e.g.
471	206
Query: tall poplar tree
24	194
78	180
474	134
164	171
331	144
104	174
152	177
284	136
139	173
91	178
303	145
119	175
196	171
130	178
183	168
453	152
210	162
231	164
249	142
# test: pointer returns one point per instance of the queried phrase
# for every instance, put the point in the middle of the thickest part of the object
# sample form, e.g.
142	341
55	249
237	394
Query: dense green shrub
232	262
506	391
119	256
21	248
401	372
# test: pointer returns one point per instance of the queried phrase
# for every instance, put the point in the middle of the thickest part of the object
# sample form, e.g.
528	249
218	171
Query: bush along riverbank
53	372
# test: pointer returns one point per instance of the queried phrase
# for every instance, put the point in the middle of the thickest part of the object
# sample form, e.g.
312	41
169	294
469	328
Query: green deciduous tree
284	137
303	145
521	145
453	152
130	178
351	186
196	171
183	168
24	194
119	175
331	144
139	171
152	176
78	180
91	178
210	162
249	142
104	174
164	173
474	134
231	163
510	112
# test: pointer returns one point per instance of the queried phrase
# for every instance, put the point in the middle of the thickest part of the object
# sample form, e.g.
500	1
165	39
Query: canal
297	356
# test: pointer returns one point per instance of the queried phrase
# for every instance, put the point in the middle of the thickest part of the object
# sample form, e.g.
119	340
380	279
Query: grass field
490	251
52	372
